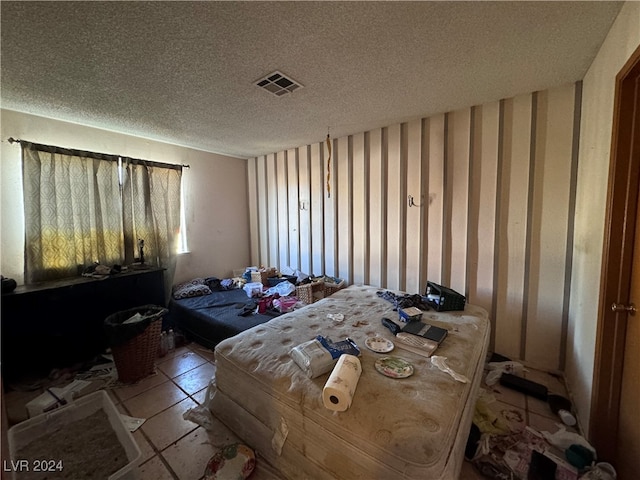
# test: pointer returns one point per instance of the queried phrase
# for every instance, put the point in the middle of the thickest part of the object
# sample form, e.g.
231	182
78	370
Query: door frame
615	280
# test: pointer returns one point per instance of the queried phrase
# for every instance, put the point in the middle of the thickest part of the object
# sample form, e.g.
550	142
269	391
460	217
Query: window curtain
151	203
80	210
73	213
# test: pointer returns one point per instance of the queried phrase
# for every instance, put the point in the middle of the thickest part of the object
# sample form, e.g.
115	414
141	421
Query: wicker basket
310	292
135	358
263	276
331	288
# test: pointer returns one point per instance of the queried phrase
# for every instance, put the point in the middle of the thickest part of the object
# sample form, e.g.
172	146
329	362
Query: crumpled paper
441	363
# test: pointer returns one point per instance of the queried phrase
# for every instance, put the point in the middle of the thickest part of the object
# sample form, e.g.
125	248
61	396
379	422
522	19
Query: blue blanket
209	319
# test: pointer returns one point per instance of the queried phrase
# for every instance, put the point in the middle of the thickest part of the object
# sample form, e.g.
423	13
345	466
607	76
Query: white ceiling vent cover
278	83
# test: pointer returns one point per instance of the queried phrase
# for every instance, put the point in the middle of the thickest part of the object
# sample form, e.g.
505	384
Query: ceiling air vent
278	84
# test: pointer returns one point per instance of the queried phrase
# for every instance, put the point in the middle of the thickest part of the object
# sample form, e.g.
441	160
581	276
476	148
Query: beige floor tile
122	409
203	352
200	396
169	426
146	449
541	407
154	469
178	351
154	400
264	471
15	403
189	456
549	424
196	379
180	364
515	416
541	424
507	395
126	392
114	398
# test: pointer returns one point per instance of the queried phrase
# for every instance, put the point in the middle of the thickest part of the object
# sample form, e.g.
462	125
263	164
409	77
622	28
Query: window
83	207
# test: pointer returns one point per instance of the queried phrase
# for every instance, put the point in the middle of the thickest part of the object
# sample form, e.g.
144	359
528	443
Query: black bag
8	285
118	332
443	299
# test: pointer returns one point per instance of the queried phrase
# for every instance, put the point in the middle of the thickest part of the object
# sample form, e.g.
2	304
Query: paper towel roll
341	386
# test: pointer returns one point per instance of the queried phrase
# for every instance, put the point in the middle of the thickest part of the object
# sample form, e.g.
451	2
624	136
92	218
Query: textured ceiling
184	72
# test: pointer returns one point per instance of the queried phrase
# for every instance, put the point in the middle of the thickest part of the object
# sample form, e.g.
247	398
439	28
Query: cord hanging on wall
328	165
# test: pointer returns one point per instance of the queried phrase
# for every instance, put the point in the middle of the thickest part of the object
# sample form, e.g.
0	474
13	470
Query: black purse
443	299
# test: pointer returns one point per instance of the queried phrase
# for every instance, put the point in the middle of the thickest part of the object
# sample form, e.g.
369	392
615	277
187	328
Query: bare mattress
409	428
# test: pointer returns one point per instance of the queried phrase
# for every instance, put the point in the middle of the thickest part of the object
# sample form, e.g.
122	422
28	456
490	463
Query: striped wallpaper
479	199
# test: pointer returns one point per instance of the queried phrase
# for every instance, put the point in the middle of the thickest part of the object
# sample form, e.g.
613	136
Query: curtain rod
98	156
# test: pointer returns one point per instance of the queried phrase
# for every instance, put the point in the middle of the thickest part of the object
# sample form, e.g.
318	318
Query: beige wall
595	144
215	187
495	186
512	241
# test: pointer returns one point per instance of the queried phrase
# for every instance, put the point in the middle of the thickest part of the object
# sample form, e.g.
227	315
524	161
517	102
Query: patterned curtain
151	199
73	213
79	210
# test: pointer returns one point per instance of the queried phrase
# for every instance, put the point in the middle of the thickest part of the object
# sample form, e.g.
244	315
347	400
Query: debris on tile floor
153	410
524	428
32	396
510	424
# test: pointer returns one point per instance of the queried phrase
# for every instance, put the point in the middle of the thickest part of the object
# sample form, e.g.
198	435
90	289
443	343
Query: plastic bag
201	414
563	439
601	471
312	358
283	289
118	332
285	304
496	369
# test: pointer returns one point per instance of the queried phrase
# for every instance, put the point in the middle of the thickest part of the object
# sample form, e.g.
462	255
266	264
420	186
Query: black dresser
59	324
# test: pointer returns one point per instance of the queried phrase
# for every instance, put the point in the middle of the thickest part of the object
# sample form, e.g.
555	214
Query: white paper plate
379	344
394	367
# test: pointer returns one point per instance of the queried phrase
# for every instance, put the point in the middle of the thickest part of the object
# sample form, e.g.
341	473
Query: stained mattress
411	428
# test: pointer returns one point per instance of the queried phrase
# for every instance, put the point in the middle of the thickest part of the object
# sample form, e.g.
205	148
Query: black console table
59	324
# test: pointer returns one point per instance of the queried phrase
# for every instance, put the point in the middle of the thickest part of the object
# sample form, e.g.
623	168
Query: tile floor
174	448
534	412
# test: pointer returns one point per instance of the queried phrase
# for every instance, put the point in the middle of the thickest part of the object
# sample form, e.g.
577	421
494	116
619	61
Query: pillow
195	281
213	283
193	288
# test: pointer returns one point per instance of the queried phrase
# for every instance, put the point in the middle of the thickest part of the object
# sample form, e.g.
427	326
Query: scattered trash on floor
501	446
132	423
489	420
201	415
600	471
562	407
235	461
55	397
496	369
